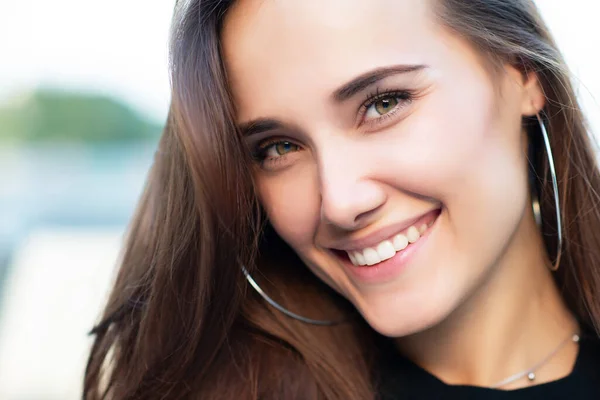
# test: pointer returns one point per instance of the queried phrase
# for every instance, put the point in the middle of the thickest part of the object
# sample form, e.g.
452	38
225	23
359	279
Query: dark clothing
404	380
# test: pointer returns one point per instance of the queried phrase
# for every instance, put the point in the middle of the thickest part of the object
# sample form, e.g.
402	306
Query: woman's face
381	139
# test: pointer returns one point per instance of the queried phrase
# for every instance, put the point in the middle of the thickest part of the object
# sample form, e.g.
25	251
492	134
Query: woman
344	205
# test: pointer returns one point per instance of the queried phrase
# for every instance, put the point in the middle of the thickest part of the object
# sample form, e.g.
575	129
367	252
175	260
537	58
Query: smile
388	242
388	248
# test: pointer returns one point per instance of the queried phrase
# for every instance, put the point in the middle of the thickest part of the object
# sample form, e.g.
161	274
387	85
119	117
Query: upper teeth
386	249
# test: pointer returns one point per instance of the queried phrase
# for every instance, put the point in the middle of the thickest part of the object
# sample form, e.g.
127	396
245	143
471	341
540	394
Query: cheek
448	151
479	172
292	205
466	152
483	169
471	160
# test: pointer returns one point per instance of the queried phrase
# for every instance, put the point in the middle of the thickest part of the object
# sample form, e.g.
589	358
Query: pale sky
119	47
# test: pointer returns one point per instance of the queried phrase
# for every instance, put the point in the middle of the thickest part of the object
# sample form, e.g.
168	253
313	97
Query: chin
396	318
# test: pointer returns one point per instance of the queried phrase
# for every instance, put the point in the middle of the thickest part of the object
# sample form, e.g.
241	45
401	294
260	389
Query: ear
533	99
528	90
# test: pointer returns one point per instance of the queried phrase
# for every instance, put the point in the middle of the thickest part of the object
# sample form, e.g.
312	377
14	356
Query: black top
401	379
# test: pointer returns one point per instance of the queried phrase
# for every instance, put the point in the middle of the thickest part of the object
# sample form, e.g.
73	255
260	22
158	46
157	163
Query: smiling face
382	139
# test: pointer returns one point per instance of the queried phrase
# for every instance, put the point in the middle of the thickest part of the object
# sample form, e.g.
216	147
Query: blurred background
84	93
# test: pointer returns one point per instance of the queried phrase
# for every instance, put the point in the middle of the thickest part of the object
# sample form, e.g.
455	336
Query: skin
477	303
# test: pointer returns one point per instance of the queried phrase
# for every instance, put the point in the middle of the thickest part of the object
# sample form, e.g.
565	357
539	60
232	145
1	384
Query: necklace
530	373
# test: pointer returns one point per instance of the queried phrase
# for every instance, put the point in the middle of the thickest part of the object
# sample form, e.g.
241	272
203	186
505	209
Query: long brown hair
181	321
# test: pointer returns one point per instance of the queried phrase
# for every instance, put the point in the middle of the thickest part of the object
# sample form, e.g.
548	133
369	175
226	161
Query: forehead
277	50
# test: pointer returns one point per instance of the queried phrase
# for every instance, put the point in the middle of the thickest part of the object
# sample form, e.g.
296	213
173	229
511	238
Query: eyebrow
365	80
259	125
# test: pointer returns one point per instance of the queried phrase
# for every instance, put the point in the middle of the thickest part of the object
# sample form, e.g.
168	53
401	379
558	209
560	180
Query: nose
350	197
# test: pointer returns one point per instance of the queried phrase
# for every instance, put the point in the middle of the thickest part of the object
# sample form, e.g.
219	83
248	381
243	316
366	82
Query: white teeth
360	259
412	234
400	242
371	256
386	250
352	258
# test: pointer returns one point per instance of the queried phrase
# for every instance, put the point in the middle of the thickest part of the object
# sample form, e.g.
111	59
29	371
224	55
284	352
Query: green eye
385	105
275	153
283	148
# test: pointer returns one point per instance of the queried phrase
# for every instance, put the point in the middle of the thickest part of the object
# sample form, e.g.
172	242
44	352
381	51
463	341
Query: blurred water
63	210
72	185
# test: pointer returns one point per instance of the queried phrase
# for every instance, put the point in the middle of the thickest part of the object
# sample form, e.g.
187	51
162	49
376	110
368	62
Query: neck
514	319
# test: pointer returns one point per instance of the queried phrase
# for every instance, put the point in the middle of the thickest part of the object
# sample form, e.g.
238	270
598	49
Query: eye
273	150
382	106
278	149
379	107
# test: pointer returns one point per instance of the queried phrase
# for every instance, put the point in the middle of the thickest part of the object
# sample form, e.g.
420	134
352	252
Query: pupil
384	105
283	148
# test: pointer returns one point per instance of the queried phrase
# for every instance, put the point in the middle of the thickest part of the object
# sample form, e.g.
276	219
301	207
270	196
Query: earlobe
534	99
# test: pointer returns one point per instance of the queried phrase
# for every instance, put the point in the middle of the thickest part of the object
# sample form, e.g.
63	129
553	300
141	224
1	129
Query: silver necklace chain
530	372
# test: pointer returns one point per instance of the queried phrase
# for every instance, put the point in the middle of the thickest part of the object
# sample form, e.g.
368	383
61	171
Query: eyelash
259	154
404	97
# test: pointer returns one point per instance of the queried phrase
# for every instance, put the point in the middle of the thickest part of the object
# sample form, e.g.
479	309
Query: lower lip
389	269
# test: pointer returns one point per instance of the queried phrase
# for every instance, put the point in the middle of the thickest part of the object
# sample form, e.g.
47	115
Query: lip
386	233
389	269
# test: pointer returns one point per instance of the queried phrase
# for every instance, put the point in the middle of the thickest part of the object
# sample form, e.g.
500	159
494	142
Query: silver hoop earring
537	213
554	266
282	309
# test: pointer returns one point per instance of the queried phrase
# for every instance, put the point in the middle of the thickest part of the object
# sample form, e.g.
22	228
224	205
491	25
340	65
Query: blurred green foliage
50	115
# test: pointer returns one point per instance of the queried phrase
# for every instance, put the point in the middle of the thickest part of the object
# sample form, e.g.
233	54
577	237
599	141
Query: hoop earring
535	203
535	206
282	309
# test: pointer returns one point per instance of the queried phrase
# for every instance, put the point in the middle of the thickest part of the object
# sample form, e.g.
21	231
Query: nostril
351	205
364	217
